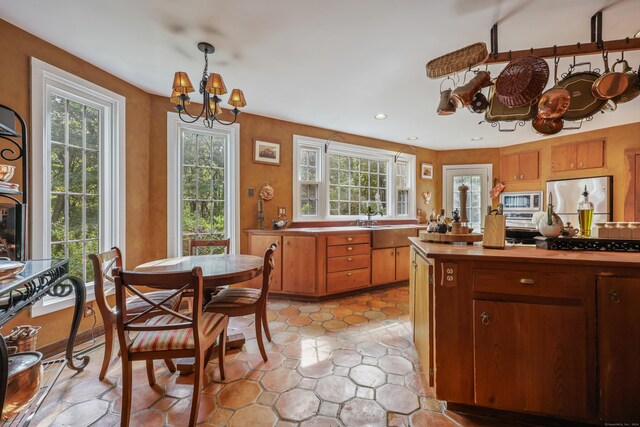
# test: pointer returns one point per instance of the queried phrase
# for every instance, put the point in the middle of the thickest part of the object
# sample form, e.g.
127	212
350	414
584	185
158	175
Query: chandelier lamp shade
211	88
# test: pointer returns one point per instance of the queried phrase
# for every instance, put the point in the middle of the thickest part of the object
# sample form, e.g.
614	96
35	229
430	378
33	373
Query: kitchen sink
391	236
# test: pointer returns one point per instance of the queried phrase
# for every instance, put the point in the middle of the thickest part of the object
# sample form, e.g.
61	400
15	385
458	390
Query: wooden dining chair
169	335
103	264
194	244
243	301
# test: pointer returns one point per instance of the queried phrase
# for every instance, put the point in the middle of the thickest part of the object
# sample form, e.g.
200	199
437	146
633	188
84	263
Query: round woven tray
522	81
458	60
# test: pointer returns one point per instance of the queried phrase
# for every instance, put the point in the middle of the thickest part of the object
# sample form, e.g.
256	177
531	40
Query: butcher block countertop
529	254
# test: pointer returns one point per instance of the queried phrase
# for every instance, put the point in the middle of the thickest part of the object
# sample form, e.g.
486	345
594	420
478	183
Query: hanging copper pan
555	101
612	83
633	90
547	126
583	103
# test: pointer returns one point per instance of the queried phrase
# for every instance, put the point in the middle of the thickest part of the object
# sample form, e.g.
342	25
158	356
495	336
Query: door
525	361
402	263
257	246
477	178
299	264
423	330
618	349
383	266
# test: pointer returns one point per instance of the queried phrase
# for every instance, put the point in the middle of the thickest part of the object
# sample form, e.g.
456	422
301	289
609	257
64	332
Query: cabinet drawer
348	239
348	263
347	280
345	250
528	282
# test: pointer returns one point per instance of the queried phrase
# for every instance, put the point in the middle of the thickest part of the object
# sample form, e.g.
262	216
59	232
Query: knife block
494	231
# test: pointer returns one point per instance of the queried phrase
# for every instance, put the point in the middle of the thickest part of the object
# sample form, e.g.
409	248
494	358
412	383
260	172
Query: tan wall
618	139
254	175
17	46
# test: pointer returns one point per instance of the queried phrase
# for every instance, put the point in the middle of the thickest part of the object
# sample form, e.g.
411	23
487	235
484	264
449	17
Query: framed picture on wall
266	152
426	170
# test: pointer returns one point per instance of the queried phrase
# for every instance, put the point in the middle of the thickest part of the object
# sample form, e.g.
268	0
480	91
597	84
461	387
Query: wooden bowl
6	172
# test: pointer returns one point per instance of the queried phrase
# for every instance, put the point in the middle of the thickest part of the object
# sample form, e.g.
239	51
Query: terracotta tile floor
346	362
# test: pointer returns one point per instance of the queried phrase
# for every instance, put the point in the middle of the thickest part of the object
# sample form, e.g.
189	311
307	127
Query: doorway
477	178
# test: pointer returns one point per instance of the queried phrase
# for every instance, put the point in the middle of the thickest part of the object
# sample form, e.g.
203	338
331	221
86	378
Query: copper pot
555	101
633	90
446	107
462	95
547	126
25	375
611	84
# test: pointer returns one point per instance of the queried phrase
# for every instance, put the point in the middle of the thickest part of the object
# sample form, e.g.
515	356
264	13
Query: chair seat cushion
137	305
176	339
234	297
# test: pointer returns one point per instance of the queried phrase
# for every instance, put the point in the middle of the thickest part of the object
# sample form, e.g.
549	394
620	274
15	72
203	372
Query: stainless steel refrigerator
567	193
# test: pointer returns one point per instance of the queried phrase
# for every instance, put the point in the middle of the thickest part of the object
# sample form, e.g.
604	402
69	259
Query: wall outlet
88	309
282	211
250	192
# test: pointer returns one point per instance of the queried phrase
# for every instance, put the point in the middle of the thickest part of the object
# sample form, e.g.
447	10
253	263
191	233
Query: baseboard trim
60	346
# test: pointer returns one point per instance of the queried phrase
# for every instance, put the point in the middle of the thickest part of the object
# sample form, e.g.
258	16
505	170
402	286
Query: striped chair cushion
137	305
176	339
234	297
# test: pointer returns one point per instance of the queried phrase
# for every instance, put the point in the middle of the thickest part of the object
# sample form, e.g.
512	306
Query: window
477	178
202	185
342	181
78	186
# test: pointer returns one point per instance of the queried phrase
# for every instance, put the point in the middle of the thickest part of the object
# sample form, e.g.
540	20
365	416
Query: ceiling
331	63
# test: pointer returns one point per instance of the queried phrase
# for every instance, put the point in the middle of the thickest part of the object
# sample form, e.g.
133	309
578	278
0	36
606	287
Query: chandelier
211	87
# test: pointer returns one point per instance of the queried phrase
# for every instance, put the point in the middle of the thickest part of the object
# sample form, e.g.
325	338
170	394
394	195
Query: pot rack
597	45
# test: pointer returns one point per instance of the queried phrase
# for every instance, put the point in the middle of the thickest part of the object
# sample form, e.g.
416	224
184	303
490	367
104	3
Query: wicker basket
459	60
522	81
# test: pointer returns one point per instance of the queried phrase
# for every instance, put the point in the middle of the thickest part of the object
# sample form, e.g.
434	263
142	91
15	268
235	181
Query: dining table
217	271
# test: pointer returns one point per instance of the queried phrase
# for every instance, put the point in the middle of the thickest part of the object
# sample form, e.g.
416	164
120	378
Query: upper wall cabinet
520	167
578	155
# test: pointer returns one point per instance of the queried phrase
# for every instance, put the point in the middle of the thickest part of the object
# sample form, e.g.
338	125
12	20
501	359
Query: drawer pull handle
349	259
349	273
349	239
614	297
484	318
527	281
349	248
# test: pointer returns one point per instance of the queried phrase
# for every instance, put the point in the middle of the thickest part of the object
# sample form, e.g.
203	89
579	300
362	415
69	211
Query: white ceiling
329	63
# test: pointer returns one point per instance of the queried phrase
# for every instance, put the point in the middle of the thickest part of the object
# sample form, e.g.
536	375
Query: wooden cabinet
520	167
618	349
258	244
348	262
299	264
531	357
389	265
578	155
421	312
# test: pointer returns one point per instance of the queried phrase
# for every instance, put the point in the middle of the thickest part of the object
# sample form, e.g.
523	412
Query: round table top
217	270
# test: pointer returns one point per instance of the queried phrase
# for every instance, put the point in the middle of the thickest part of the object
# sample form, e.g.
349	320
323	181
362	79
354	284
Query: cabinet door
257	246
509	167
529	165
563	157
531	357
423	330
618	348
402	263
590	154
299	264
383	266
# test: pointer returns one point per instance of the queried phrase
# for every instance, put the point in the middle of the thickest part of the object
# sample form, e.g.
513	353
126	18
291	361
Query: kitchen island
551	333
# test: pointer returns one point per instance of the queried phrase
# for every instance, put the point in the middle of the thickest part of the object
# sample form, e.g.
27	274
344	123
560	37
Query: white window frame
446	169
340	148
174	182
45	79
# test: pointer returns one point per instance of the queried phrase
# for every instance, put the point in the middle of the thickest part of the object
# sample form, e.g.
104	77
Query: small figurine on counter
570	231
442	217
455	215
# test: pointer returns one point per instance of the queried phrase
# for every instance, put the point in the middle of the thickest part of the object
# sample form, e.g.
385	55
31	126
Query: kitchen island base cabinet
421	312
619	349
531	357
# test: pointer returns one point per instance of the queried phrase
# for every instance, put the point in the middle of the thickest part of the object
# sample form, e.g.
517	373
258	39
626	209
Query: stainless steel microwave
528	201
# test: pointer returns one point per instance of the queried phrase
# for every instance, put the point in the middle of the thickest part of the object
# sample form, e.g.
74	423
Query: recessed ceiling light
380	116
412	138
477	138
